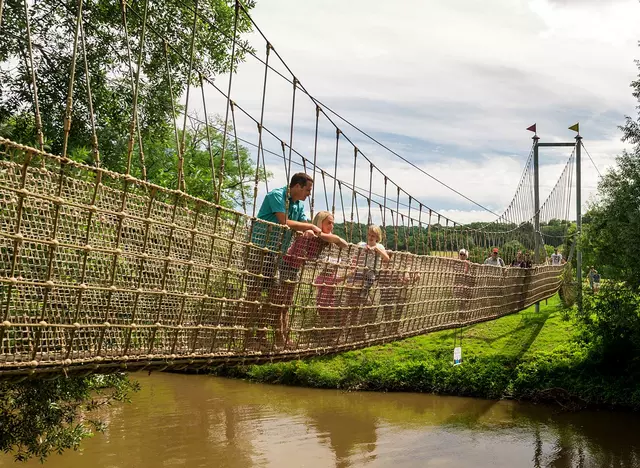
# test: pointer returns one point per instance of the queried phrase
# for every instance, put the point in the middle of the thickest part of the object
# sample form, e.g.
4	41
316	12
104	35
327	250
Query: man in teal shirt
273	210
261	263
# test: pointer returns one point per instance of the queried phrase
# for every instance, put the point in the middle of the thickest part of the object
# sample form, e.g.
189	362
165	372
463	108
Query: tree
40	417
614	228
631	128
111	70
612	225
239	169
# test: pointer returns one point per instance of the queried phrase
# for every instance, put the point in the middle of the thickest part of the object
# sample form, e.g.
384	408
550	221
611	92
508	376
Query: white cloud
450	85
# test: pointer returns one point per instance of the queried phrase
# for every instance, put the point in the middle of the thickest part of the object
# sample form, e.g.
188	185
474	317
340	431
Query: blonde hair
376	229
319	218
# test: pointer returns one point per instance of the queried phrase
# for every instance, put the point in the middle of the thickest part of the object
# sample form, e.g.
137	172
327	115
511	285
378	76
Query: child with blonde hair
369	258
366	263
308	246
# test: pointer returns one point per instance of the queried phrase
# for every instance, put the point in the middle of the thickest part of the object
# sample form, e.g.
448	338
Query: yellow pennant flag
575	128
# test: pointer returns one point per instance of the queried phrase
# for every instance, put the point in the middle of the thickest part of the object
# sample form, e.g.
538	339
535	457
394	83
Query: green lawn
528	355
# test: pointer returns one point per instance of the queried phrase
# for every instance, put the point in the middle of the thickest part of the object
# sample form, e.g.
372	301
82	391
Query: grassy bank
525	356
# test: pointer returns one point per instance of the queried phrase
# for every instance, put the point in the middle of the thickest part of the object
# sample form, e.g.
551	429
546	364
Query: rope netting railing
101	268
148	249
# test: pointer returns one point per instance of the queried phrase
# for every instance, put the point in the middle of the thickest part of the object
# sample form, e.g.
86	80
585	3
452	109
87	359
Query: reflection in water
202	421
345	432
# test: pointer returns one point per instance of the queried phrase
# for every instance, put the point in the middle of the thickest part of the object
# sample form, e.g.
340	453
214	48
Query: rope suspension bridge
103	269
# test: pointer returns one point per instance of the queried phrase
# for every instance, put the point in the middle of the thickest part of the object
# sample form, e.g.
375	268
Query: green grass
528	355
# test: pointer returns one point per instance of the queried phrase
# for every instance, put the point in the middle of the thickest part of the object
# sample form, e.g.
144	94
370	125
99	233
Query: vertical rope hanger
420	232
72	75
384	201
411	229
344	216
324	185
183	142
429	241
287	171
165	48
237	151
94	134
438	246
134	85
444	237
260	142
395	225
409	225
31	66
370	218
293	113
405	229
335	172
353	185
315	159
226	117
212	161
358	218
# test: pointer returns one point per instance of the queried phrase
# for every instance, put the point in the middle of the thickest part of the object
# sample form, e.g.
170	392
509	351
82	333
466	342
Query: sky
450	86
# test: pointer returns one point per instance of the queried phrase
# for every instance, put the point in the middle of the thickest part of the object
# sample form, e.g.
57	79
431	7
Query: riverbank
525	356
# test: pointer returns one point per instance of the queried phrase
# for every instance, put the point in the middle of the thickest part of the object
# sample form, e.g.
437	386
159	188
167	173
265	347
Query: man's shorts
260	262
287	272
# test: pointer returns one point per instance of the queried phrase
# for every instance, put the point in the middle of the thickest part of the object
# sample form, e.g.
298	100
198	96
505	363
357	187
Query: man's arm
333	239
297	225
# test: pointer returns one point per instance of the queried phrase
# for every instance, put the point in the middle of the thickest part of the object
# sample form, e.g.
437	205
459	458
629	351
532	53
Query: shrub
612	321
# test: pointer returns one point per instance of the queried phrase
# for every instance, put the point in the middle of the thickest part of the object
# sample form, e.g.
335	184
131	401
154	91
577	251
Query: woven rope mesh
98	268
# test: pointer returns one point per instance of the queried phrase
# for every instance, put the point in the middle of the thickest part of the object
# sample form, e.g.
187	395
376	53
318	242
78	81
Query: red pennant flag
532	128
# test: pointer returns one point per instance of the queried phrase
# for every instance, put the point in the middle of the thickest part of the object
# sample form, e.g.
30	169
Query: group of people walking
522	260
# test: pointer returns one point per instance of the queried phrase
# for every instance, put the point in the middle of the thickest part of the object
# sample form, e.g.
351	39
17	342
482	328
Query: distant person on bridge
517	262
494	259
596	281
262	264
556	258
590	277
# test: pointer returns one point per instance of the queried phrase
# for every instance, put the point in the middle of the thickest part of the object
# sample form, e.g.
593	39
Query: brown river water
201	421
